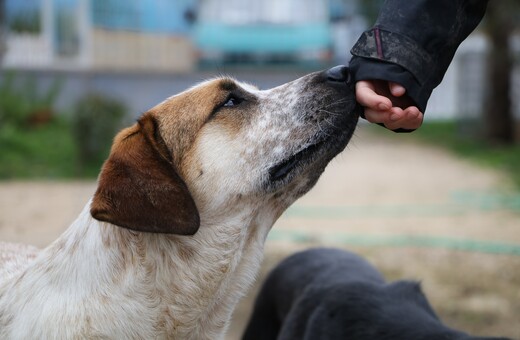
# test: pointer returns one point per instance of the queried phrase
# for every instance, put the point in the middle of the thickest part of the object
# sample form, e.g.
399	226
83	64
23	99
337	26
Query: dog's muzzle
338	115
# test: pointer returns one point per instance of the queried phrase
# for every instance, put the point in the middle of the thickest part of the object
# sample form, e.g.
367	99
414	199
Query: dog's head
363	310
221	143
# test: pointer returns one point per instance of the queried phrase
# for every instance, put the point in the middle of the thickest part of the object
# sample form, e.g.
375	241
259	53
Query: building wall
120	35
119	50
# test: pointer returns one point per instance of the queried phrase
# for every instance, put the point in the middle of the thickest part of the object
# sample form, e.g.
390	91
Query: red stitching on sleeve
378	43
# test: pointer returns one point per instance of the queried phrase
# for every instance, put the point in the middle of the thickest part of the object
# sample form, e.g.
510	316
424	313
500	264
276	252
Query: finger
375	116
366	96
396	114
414	118
397	90
396	119
410	118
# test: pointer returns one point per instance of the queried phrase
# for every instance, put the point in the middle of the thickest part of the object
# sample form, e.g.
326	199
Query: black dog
323	294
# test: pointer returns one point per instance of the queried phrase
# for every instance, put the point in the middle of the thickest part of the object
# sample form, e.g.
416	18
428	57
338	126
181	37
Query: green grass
447	135
47	151
38	142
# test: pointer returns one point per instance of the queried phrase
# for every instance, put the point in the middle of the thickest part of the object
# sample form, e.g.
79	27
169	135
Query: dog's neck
152	281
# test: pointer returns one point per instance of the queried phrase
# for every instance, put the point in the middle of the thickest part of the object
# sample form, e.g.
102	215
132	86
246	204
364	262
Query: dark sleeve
413	43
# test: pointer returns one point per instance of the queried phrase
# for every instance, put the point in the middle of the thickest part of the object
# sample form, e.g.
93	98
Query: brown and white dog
174	234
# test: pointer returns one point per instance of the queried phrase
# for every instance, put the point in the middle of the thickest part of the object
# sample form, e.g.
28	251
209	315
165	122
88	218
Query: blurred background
441	205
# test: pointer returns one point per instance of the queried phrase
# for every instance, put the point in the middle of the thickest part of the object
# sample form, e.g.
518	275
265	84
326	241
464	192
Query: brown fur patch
139	187
181	117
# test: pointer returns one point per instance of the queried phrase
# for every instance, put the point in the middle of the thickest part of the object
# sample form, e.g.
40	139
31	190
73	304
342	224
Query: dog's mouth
282	169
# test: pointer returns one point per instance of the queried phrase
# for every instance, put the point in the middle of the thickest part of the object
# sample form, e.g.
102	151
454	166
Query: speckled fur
99	281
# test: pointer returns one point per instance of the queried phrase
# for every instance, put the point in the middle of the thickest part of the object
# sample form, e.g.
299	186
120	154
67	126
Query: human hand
385	102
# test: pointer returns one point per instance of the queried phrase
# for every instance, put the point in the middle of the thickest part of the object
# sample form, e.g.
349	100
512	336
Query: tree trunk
499	125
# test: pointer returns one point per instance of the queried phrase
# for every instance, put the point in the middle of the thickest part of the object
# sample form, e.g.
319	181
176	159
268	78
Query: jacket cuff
370	69
396	48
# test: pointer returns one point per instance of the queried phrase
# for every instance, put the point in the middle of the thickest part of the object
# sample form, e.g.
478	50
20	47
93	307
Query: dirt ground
415	211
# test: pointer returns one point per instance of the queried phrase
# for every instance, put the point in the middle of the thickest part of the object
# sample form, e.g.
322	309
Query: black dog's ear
139	187
411	291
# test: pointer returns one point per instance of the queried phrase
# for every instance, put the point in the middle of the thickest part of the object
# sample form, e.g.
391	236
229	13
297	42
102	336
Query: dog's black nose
339	74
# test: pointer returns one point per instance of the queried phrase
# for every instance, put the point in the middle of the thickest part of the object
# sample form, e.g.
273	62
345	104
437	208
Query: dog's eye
232	101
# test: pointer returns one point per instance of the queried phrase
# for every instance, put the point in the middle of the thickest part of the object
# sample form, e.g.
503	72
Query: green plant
94	123
33	141
45	151
22	104
25	22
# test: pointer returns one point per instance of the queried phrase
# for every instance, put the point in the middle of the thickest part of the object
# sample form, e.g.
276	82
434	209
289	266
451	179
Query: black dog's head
398	310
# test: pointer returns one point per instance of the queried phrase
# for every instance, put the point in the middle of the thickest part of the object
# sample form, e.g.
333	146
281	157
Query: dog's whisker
335	114
338	102
331	123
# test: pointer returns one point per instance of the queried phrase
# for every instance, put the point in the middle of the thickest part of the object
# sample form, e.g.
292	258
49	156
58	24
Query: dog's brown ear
139	188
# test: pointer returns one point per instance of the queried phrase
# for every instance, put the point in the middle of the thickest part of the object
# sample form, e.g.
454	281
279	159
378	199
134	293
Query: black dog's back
291	277
333	294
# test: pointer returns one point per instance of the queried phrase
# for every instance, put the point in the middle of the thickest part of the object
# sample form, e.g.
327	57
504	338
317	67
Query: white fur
70	279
